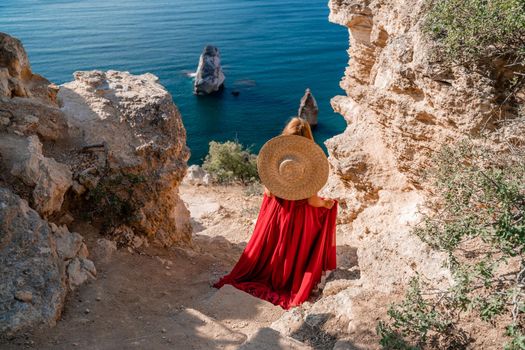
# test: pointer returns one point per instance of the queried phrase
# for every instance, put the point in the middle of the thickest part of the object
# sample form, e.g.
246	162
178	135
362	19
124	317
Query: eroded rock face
138	134
16	77
49	178
29	115
400	105
398	111
209	77
35	263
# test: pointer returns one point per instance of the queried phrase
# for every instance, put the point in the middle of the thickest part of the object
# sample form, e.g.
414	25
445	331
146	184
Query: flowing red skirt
292	246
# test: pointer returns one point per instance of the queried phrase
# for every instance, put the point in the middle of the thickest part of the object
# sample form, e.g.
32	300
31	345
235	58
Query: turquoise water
271	52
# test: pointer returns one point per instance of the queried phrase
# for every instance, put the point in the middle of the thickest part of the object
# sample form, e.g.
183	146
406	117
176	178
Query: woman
292	246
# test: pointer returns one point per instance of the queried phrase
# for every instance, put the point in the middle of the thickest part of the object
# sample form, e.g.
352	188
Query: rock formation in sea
308	108
400	107
209	77
108	148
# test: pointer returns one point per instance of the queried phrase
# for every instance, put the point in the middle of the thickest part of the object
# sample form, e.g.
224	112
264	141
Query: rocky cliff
135	153
402	103
108	148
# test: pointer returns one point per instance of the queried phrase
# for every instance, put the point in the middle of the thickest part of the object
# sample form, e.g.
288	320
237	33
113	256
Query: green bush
479	222
415	320
474	30
230	162
111	201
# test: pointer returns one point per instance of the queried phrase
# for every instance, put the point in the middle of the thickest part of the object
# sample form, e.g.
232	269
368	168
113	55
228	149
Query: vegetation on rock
111	201
477	211
230	162
485	35
479	221
471	30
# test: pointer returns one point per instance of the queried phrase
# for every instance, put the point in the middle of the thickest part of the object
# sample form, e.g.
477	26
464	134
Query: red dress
292	245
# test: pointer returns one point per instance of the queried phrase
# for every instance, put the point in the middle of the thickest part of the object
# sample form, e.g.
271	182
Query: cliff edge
108	150
402	104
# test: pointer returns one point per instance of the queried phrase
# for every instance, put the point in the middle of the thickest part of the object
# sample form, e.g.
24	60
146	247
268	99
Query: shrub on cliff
487	36
471	30
479	221
229	162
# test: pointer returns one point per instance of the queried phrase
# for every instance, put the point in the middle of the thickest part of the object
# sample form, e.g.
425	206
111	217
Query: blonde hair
298	126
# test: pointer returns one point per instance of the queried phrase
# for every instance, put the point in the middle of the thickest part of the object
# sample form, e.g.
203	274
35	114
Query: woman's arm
316	201
267	192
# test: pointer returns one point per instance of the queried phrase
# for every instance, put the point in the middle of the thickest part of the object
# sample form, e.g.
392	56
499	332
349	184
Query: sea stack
209	77
308	108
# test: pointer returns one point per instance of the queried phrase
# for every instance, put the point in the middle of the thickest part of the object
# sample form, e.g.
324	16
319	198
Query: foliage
229	162
486	36
111	200
479	221
414	318
477	29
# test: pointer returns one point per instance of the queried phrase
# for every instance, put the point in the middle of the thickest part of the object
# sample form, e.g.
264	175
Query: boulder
209	77
27	101
79	270
132	124
16	77
308	108
35	260
196	176
47	179
29	117
68	244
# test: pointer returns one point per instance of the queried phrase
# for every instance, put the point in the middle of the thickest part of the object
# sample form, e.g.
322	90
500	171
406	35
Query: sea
271	51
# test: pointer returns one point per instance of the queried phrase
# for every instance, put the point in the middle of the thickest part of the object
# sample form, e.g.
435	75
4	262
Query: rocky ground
157	298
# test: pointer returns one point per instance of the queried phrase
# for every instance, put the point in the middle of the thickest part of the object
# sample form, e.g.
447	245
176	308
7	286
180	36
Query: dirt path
152	298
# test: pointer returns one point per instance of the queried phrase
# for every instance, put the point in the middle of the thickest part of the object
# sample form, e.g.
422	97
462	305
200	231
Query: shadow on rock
312	333
347	257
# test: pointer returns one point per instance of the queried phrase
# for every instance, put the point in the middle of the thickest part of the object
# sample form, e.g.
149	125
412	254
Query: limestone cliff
109	148
135	152
402	103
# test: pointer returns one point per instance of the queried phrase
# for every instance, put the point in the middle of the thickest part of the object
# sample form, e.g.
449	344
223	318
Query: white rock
209	77
79	270
50	179
68	243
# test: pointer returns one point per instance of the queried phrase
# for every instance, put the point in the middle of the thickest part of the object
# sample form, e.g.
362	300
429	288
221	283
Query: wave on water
245	82
189	74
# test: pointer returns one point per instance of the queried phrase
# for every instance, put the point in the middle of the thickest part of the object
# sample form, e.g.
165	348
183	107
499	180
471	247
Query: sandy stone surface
159	298
131	123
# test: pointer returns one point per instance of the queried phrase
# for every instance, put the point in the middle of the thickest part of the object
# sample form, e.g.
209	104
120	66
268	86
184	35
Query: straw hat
292	167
